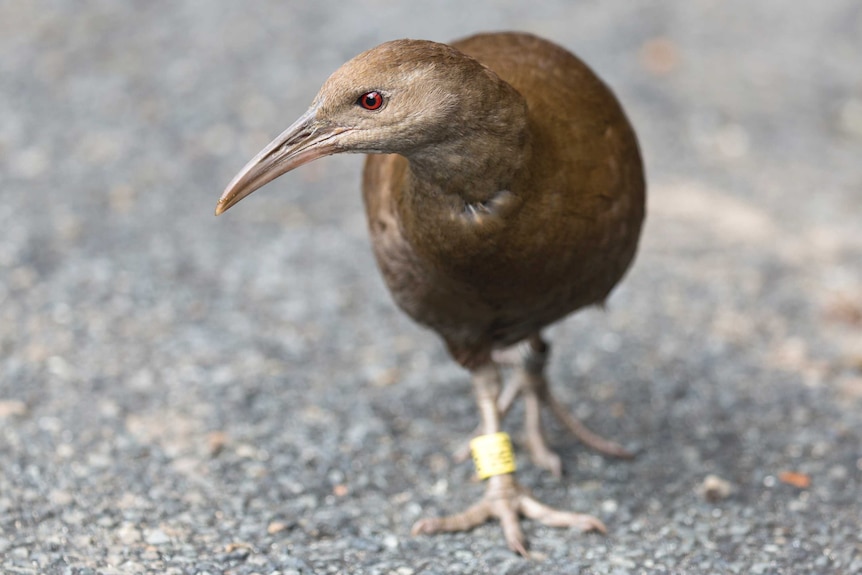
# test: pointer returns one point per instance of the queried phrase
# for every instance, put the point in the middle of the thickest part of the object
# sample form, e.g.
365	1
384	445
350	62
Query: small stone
714	488
276	527
340	490
238	550
231	547
156	537
61	497
386	377
838	473
390	541
216	441
65	450
622	562
538	556
12	407
659	56
794	478
128	534
59	367
463	556
609	506
246	451
150	554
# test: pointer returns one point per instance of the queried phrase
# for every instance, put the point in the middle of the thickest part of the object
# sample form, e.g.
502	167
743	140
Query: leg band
493	455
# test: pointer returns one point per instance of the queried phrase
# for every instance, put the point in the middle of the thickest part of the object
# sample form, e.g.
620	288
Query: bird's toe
551	517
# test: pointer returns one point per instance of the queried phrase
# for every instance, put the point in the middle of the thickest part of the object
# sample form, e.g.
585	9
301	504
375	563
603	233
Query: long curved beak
304	141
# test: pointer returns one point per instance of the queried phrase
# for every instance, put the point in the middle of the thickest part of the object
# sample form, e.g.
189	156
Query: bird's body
488	268
504	190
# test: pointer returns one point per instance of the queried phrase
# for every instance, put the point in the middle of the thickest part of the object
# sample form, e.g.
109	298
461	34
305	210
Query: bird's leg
534	437
529	380
504	498
504	403
507	397
536	392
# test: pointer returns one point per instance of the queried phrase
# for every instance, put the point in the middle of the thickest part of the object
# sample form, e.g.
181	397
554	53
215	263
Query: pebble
128	534
12	407
156	537
276	527
715	489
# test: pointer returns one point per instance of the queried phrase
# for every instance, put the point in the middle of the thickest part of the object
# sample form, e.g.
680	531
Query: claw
505	500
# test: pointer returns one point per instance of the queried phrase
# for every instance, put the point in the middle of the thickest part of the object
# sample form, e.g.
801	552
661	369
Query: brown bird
504	190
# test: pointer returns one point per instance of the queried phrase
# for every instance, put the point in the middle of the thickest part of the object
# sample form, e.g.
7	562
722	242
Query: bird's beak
306	140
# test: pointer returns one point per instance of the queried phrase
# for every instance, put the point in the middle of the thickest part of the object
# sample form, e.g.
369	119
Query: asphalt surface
184	394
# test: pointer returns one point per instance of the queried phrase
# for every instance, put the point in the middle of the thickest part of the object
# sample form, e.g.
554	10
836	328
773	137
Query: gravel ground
185	394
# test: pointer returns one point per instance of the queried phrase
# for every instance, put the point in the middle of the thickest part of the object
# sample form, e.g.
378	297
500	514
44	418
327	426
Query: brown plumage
504	190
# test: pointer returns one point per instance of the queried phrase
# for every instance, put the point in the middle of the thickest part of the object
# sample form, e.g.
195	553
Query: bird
504	189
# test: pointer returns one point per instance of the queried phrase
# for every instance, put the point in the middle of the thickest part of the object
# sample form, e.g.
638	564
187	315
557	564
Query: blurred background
187	394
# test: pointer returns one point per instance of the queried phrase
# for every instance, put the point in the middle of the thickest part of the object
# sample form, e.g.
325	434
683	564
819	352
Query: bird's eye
370	100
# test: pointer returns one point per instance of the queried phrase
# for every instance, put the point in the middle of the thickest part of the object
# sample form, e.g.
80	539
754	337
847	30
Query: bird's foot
505	500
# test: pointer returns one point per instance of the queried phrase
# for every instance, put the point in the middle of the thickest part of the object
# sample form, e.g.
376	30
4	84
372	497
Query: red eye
370	100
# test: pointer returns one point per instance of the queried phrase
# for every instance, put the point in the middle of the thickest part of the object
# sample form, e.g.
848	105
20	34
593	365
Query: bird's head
403	97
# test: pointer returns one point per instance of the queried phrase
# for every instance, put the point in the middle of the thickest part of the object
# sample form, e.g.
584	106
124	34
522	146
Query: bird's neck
459	197
471	169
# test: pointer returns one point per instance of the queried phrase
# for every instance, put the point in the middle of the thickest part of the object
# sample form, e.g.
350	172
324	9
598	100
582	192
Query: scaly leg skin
530	380
536	392
504	499
504	404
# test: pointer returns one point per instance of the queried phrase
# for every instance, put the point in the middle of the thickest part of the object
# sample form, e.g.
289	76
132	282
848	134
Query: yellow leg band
492	454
